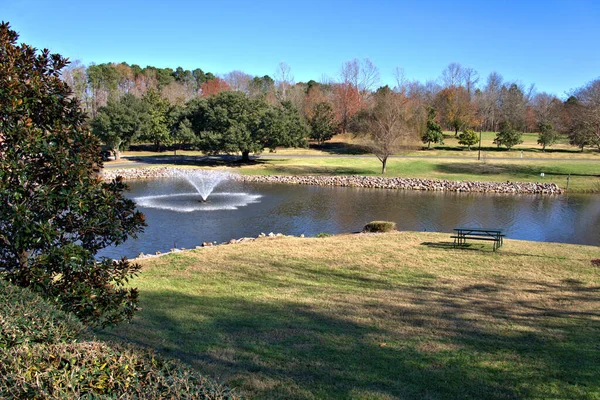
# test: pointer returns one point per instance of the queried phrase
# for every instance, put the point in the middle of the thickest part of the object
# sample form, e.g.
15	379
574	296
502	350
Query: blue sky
553	44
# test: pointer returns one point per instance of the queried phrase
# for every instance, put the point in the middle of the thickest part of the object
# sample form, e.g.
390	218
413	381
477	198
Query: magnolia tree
56	212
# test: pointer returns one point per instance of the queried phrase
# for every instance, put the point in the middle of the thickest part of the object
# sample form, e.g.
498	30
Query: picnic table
493	234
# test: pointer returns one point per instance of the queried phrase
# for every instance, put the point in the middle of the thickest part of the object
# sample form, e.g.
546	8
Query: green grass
585	176
386	316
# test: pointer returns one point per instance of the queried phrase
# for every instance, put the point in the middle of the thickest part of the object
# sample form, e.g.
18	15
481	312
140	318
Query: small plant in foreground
380	226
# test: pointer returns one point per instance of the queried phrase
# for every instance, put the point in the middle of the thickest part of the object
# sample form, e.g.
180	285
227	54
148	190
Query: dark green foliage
156	128
433	132
283	126
322	122
231	122
120	122
547	135
27	318
41	357
95	369
508	136
323	235
468	138
56	213
380	226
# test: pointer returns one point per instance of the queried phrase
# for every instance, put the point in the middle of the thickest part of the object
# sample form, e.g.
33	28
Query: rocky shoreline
378	182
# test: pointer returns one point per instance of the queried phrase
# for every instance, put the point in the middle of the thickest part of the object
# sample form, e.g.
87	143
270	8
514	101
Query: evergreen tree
547	135
468	138
508	136
322	122
56	213
433	132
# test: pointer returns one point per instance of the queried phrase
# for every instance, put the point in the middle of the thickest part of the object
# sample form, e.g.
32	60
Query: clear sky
553	44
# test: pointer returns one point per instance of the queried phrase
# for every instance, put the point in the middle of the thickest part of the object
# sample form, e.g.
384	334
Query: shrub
323	235
26	318
380	226
41	358
95	369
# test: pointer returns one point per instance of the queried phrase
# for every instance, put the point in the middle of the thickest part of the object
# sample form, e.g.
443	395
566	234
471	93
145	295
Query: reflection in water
309	210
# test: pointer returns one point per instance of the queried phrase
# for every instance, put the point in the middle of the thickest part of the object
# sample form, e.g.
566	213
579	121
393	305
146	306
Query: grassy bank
399	315
584	176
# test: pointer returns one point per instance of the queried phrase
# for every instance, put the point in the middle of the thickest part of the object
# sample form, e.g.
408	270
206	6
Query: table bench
462	234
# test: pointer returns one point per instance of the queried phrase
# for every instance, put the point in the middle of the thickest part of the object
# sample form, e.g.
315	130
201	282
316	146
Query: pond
177	218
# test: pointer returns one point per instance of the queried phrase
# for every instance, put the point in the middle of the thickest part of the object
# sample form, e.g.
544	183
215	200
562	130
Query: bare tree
363	75
489	101
587	117
401	81
178	93
74	75
389	125
238	81
452	76
368	76
470	78
283	80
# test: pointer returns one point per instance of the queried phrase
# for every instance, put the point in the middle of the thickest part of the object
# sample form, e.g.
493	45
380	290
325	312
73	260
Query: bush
380	226
323	235
97	370
26	318
41	358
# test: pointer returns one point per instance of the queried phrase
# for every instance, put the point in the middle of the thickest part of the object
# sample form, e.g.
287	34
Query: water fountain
204	181
170	195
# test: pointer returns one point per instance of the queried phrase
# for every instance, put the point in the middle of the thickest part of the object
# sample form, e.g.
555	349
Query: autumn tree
213	87
455	108
56	212
389	125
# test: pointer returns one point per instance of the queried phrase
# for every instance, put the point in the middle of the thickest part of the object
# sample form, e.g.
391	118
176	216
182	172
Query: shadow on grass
200	161
421	341
340	148
466	247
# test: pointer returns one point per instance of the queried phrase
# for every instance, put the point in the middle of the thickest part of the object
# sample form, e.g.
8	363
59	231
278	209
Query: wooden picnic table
493	234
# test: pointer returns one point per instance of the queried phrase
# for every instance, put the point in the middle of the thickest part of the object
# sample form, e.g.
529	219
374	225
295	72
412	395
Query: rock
232	241
302	235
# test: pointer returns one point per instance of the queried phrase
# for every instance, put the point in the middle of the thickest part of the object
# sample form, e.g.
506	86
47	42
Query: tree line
127	103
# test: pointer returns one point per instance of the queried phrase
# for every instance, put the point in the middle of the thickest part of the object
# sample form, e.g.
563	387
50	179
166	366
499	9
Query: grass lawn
585	176
385	316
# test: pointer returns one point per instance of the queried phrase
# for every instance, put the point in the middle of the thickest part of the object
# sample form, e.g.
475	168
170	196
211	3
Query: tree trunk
117	154
383	165
245	156
428	145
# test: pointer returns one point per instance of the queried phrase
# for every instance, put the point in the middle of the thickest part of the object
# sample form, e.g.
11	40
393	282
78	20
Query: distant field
348	145
584	176
384	316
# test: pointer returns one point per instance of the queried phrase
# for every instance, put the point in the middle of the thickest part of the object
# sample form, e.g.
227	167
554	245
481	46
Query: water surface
176	218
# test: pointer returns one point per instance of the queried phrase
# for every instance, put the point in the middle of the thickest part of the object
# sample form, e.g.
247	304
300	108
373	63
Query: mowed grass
380	316
584	176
